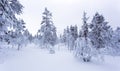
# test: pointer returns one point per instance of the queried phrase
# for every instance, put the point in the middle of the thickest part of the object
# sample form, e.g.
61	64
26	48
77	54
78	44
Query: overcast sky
69	12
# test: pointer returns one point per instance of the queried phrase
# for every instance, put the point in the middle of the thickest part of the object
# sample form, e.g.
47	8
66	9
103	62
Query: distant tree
28	38
117	37
69	36
65	36
114	44
72	37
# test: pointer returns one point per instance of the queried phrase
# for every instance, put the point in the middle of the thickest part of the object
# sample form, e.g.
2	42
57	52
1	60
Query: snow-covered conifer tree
99	35
65	36
82	44
17	37
99	29
16	6
48	30
114	43
7	16
72	37
27	36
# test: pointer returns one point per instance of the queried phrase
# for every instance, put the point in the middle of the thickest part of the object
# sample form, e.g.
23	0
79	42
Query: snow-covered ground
32	58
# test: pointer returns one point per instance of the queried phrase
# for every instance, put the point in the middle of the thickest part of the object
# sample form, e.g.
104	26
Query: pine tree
99	35
27	36
117	35
4	18
69	36
82	47
48	30
65	36
7	17
16	6
99	31
114	47
72	37
16	36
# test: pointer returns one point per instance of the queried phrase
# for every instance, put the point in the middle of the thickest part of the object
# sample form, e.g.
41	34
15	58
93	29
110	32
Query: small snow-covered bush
52	51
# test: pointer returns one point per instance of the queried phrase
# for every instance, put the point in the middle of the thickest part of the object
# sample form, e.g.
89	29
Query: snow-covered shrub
83	50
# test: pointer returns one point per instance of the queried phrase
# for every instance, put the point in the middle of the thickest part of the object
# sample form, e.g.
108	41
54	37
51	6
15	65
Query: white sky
69	12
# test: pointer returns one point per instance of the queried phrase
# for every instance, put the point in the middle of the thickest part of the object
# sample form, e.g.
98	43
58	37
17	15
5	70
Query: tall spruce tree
82	47
99	31
99	35
48	30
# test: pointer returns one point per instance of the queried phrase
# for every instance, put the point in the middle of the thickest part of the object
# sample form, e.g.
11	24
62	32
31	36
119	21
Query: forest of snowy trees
94	39
12	29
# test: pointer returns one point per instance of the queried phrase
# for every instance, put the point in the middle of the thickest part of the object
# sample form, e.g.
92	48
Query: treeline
94	39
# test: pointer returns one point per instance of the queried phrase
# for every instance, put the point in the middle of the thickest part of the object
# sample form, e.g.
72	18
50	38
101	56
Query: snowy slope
35	59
